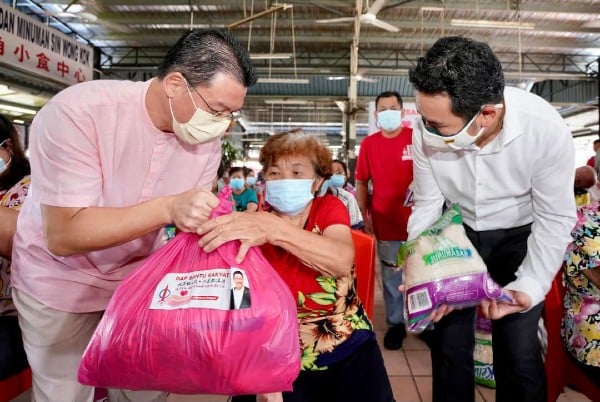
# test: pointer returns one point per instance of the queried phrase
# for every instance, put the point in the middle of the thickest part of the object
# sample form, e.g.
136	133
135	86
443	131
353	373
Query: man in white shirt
240	294
506	156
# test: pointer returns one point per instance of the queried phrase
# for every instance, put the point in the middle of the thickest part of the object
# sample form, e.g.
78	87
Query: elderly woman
308	241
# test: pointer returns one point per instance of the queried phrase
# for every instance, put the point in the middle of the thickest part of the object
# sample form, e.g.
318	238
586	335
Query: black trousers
518	365
12	355
361	377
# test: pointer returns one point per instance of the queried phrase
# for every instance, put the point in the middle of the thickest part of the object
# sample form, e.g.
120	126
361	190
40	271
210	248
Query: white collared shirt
525	175
237	297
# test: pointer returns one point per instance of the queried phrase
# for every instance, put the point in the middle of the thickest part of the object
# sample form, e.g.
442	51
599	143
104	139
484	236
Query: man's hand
192	208
494	310
271	397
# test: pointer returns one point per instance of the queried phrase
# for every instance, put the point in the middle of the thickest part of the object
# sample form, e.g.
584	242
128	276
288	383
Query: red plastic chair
15	385
560	369
364	261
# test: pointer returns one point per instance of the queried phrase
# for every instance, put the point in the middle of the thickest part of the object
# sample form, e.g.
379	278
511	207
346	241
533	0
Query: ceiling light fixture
272	80
270	56
5	90
17	109
287	101
492	24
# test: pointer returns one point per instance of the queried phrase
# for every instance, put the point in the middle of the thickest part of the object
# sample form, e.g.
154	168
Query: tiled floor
409	370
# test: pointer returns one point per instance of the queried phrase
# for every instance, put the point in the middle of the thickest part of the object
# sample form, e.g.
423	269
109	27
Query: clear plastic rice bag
441	266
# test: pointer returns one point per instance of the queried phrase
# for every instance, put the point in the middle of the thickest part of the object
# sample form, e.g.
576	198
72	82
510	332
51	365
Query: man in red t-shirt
385	158
592	161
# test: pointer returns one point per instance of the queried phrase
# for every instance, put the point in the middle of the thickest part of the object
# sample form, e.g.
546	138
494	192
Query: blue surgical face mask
250	181
3	164
337	180
389	120
289	196
236	184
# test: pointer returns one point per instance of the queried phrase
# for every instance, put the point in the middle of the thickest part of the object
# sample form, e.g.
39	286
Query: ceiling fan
361	75
368	18
82	11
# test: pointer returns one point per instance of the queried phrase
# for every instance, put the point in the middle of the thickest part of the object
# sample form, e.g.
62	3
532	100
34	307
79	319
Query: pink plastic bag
169	326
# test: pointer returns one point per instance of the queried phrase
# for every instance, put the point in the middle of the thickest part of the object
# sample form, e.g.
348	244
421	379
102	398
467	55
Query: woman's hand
250	228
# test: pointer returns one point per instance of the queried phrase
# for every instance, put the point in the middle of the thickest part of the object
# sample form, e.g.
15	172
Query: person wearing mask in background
340	168
14	185
336	185
244	197
385	158
114	162
506	157
250	177
592	160
307	239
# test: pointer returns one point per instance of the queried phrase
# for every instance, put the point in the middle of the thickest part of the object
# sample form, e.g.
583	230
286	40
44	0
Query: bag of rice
483	355
441	266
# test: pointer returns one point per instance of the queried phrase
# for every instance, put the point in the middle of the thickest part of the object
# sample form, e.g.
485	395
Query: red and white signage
29	45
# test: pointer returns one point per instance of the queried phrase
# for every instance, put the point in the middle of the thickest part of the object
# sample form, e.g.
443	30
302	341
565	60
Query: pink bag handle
225	203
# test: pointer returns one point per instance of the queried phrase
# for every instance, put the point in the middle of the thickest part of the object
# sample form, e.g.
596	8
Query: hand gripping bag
169	325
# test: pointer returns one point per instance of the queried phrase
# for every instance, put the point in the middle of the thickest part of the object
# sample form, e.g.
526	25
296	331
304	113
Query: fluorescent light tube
283	81
17	109
492	24
270	56
287	101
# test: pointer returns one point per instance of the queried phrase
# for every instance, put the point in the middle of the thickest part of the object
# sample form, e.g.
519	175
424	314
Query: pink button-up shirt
94	144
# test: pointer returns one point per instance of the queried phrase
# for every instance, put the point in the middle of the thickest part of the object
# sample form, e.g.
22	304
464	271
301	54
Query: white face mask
202	127
434	139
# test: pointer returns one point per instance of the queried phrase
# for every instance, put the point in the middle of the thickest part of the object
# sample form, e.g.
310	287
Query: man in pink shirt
113	163
385	158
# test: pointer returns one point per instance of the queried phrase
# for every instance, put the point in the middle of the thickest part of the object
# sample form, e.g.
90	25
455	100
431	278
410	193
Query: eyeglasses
234	116
435	131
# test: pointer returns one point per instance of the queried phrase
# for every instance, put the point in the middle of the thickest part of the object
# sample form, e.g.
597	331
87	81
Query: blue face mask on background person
389	120
289	196
337	180
236	184
250	180
3	164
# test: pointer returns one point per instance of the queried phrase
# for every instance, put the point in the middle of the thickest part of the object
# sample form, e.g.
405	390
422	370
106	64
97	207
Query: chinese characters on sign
29	45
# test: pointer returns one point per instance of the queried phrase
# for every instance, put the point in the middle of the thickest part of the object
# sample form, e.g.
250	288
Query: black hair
389	94
343	165
467	70
202	53
237	272
236	169
597	141
19	165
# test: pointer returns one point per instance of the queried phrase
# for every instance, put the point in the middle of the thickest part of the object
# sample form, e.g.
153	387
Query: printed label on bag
221	288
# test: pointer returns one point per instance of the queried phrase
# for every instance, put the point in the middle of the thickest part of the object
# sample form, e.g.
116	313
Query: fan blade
381	24
375	7
335	20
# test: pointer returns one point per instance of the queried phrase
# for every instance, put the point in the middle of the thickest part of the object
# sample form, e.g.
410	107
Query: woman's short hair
297	144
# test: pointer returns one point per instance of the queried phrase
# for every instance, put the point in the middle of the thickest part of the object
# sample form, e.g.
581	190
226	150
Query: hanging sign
30	45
